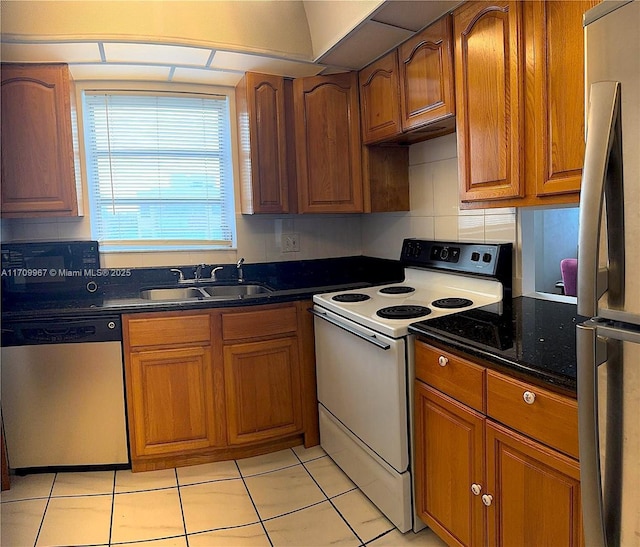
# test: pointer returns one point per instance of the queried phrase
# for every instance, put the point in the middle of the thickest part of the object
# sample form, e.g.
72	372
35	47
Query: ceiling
146	41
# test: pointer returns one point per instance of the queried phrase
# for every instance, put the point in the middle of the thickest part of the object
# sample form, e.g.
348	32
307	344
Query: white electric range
364	360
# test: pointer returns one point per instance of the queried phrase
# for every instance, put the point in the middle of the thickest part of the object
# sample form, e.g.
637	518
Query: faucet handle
179	272
239	268
213	272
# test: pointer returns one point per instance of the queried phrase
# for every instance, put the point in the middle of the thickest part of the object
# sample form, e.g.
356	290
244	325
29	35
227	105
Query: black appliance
44	270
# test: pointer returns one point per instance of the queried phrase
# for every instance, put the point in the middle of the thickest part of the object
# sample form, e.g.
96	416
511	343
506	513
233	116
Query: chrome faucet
198	272
213	272
239	268
180	274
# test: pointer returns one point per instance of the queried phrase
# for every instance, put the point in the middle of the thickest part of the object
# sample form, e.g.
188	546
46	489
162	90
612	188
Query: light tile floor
297	498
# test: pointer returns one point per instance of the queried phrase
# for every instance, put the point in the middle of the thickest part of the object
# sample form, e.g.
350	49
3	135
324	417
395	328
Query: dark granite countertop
296	280
531	337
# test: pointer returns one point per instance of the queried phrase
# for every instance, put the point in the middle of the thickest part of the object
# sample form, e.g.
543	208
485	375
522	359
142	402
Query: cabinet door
171	401
426	76
557	72
260	101
263	390
489	84
328	155
379	99
38	175
535	491
449	441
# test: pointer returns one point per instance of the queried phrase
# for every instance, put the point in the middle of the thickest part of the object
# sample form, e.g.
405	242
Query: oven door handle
371	338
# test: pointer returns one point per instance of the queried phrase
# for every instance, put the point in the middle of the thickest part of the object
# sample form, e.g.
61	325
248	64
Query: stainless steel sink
230	292
213	292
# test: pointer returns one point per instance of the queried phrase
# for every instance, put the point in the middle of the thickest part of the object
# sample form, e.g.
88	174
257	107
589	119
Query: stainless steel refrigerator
608	346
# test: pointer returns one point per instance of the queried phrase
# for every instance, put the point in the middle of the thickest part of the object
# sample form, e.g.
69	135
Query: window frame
165	89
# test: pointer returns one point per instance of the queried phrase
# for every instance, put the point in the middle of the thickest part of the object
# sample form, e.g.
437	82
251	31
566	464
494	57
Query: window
159	170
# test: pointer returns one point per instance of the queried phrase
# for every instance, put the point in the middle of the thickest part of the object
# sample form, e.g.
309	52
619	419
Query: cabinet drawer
176	329
537	412
258	324
457	377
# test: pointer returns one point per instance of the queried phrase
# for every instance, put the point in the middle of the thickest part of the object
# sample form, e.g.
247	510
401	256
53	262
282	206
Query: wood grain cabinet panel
426	76
555	66
262	385
449	440
262	109
328	144
171	401
379	99
536	492
38	174
489	99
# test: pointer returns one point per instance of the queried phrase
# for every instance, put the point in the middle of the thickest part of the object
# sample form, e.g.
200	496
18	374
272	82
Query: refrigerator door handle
589	353
601	176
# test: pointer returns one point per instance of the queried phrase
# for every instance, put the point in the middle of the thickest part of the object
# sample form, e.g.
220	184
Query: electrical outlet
290	243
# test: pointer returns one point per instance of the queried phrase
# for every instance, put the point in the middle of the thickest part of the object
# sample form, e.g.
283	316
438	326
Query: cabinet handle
476	489
487	499
529	397
443	361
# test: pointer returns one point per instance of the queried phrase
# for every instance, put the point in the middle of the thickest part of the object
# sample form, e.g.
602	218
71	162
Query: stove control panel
486	259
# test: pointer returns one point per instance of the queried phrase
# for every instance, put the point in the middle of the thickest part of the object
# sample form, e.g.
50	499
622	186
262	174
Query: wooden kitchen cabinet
407	96
219	384
38	176
519	96
380	99
489	99
170	386
328	144
265	119
507	475
426	77
262	374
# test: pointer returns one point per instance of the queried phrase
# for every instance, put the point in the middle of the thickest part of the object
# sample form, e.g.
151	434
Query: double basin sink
212	292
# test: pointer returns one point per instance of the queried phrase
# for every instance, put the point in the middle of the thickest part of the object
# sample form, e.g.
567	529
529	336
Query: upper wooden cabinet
379	104
264	108
519	93
555	115
426	76
328	145
407	96
489	98
38	177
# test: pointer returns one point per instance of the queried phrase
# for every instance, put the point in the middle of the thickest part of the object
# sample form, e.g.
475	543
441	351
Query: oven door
362	381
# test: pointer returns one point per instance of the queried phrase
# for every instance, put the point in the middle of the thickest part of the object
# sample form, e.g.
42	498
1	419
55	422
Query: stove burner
403	312
351	297
397	289
452	303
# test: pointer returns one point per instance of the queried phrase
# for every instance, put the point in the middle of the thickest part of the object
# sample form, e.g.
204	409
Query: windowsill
553	297
106	249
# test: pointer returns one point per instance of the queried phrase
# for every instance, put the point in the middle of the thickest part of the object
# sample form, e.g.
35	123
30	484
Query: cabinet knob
443	361
487	499
529	397
476	489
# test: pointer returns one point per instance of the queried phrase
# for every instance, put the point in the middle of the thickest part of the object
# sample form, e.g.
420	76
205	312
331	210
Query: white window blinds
159	170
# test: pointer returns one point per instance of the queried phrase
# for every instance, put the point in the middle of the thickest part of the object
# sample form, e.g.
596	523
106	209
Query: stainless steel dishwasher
62	391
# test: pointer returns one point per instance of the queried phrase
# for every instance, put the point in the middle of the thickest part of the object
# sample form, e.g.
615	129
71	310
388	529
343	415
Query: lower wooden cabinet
172	400
479	482
219	384
262	386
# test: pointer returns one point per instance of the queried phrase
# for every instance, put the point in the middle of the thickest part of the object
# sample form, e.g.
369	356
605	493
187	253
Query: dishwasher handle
371	338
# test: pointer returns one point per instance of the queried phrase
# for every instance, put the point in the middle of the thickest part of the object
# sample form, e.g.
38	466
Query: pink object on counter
569	271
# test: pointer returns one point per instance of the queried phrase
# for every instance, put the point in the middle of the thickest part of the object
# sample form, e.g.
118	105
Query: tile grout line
44	513
184	520
255	508
330	500
113	504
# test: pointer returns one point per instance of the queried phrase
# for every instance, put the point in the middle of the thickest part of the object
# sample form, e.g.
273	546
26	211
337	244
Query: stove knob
443	361
444	254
